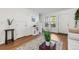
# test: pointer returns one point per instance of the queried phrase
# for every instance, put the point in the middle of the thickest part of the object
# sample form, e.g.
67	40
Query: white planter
47	43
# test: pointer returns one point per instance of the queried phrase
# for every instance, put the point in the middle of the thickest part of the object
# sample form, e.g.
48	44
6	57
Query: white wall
63	17
22	21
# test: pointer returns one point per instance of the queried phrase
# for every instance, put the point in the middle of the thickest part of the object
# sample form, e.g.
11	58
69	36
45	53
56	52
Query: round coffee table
44	47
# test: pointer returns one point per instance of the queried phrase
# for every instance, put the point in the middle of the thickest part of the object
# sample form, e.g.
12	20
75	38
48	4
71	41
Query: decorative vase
10	27
47	43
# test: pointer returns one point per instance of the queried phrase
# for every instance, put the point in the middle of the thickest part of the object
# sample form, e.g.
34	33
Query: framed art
33	19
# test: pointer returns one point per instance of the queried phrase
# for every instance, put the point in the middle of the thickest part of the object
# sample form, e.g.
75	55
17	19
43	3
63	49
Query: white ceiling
48	10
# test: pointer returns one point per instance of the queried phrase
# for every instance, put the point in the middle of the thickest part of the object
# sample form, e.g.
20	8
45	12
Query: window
53	21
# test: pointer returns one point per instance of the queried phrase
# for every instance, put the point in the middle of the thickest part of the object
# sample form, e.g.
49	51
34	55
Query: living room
22	28
39	29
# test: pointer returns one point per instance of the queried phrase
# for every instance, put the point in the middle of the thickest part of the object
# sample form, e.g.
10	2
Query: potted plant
47	37
76	17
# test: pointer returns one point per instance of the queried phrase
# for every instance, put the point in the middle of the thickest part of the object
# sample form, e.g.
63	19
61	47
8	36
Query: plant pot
47	43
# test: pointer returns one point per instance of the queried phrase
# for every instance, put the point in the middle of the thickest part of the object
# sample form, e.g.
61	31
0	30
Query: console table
6	35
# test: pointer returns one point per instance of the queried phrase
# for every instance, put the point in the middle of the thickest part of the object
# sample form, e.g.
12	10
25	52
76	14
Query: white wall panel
22	21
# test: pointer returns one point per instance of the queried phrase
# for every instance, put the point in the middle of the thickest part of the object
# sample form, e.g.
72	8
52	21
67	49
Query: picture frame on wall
33	19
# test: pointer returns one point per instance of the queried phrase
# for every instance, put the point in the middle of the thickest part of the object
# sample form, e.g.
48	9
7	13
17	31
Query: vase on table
10	21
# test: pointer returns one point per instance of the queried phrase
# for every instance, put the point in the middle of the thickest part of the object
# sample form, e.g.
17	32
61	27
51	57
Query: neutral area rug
36	42
32	45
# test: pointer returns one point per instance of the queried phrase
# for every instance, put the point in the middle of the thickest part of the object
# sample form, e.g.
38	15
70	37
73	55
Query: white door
63	23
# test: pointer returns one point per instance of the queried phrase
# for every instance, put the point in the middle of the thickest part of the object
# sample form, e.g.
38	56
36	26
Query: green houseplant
47	37
76	17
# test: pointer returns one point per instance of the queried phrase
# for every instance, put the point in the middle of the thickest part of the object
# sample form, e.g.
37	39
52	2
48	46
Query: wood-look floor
16	43
62	38
20	41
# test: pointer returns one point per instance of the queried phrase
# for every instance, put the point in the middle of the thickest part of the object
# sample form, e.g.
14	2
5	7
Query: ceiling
48	10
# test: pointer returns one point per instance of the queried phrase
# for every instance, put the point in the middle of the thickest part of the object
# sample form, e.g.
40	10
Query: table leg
12	36
5	37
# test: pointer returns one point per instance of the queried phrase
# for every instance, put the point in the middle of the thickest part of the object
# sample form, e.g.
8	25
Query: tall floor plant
76	17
